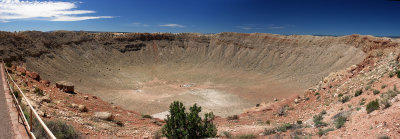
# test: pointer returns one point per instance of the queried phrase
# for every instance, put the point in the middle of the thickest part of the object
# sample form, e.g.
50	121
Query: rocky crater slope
224	72
324	86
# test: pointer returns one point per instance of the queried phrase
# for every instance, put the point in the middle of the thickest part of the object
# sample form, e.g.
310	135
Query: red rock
34	75
20	70
45	82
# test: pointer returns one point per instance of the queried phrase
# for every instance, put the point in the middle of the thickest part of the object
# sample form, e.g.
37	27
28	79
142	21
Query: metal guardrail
20	111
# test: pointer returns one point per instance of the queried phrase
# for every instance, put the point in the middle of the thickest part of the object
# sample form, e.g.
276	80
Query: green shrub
317	119
16	94
284	127
38	91
8	64
376	92
385	102
340	95
367	88
358	92
60	129
398	73
384	137
299	122
268	122
391	74
233	117
322	132
373	105
23	73
269	131
362	102
339	122
147	116
316	94
188	125
344	99
383	86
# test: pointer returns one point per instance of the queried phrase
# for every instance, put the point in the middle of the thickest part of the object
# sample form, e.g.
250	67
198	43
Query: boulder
73	105
104	116
46	82
82	108
296	100
46	99
34	75
65	86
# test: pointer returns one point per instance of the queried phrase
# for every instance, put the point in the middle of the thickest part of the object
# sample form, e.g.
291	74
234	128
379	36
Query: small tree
181	125
176	121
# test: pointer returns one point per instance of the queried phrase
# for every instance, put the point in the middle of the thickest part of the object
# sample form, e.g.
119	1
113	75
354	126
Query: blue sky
314	17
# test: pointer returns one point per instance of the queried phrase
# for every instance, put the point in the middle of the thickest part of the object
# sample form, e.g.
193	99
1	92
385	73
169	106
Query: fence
32	112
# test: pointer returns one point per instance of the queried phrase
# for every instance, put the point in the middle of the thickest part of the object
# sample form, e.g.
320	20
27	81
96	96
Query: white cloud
276	27
138	24
173	25
43	10
250	27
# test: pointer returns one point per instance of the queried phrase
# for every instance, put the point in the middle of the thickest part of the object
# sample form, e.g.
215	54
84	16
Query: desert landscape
251	82
199	69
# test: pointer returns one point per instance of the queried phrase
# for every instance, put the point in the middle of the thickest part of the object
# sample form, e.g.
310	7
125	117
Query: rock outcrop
104	116
65	86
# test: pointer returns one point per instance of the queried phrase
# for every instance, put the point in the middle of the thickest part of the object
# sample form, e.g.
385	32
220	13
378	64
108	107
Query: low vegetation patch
60	129
339	121
383	86
398	73
269	131
367	88
147	116
373	105
8	64
38	91
268	122
317	119
233	117
358	93
391	74
344	99
284	127
376	92
384	137
362	102
386	103
322	132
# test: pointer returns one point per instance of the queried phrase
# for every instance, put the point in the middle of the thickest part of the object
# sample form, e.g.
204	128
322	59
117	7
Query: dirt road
5	121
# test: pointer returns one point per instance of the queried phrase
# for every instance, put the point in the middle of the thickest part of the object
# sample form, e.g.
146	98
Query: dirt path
5	121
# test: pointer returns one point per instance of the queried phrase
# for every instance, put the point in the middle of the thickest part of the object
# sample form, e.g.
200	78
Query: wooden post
30	121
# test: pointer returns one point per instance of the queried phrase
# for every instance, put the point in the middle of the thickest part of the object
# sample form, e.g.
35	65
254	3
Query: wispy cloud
262	27
43	10
276	27
250	27
173	25
138	24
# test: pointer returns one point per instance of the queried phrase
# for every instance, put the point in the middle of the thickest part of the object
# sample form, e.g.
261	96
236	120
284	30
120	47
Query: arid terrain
266	80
